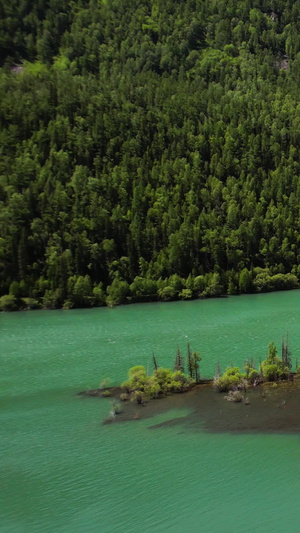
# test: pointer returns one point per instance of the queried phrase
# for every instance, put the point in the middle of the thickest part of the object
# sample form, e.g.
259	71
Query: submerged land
272	391
271	409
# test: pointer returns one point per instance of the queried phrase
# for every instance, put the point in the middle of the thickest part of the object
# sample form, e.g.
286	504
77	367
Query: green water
63	471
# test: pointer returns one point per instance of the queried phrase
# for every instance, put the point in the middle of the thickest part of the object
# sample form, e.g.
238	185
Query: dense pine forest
149	150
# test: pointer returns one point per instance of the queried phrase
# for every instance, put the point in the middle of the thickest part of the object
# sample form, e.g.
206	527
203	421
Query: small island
273	379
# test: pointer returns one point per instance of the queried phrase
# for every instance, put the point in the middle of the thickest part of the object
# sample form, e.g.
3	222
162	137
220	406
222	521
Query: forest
148	150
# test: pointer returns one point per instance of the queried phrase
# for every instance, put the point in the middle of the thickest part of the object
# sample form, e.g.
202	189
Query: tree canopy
148	151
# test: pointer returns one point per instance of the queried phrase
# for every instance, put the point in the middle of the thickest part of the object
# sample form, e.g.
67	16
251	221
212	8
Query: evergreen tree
152	150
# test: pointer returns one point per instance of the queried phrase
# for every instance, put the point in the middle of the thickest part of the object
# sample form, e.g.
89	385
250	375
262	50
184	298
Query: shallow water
62	470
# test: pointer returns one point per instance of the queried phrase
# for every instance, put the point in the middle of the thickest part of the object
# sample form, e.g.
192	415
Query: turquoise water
62	470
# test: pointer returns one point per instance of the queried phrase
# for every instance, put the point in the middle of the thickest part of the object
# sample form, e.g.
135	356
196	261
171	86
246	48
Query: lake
63	470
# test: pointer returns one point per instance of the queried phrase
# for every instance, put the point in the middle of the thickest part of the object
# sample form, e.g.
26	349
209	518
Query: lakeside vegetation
148	151
163	380
272	369
141	385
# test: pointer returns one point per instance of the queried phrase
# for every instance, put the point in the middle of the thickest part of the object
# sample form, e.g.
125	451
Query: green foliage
274	368
185	294
179	382
214	285
245	282
117	292
179	361
15	289
193	359
152	387
270	372
264	282
253	375
136	379
138	370
275	371
137	396
148	152
116	407
124	397
231	379
53	299
106	393
167	293
79	289
8	302
162	381
271	369
31	303
98	297
143	289
272	353
286	354
199	285
163	377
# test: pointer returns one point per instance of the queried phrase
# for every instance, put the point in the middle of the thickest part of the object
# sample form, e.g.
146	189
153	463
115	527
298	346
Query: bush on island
253	375
162	381
232	379
124	397
106	393
235	396
273	368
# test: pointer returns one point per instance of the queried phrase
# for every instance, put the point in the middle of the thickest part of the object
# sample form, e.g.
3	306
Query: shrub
106	393
138	396
253	375
152	387
117	407
179	382
31	303
98	298
185	294
117	292
8	302
177	283
15	290
143	288
214	285
161	382
234	396
163	377
271	372
245	282
274	368
124	397
53	299
199	285
264	282
68	304
231	379
136	379
167	293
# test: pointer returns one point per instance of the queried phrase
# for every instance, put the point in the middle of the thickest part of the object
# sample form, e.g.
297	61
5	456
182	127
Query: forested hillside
148	150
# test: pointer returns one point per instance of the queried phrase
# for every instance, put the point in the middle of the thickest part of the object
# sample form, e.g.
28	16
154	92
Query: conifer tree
154	362
179	361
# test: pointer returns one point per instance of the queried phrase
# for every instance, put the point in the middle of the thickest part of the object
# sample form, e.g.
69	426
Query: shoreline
40	307
117	390
271	409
